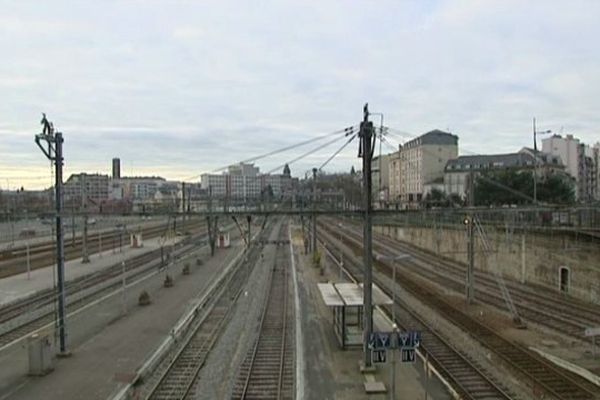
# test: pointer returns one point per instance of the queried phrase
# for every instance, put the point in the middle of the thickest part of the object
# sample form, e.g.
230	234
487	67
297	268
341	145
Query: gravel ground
218	375
467	345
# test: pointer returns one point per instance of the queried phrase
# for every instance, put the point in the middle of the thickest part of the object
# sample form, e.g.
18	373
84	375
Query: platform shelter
347	304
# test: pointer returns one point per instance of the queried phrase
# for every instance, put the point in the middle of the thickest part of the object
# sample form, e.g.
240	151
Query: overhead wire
312	151
338	151
338	134
399	133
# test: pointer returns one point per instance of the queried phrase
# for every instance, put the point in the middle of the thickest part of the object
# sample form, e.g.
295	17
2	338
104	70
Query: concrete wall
530	258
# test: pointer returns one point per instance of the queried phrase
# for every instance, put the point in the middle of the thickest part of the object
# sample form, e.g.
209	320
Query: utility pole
249	219
209	219
314	216
84	249
471	241
183	201
53	152
535	160
366	152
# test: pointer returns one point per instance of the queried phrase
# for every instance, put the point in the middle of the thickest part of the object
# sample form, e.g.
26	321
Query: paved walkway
16	286
109	356
332	373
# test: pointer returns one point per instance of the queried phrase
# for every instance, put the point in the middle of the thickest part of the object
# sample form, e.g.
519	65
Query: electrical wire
308	153
345	132
337	151
399	133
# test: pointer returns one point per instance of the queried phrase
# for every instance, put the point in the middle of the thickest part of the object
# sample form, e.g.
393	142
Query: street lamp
341	251
535	157
393	258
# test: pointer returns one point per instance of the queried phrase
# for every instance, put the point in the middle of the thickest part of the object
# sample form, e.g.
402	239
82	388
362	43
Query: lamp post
535	158
341	251
393	258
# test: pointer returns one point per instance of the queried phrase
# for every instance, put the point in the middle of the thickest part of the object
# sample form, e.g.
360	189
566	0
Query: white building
580	162
456	173
93	187
244	181
422	162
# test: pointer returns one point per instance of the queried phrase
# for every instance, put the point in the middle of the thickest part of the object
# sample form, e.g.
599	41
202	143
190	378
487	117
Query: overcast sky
181	88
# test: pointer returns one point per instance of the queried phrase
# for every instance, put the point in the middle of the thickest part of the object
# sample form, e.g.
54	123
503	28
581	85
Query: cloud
193	86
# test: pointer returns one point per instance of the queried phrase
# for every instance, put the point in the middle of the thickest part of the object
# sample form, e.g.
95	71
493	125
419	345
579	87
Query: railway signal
53	151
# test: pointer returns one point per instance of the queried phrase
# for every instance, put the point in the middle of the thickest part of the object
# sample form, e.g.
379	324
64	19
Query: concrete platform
331	373
105	358
17	286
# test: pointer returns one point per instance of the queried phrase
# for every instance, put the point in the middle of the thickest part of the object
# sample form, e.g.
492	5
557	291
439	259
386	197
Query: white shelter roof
350	294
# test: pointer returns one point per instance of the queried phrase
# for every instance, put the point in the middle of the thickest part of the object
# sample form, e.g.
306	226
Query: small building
347	305
223	240
136	240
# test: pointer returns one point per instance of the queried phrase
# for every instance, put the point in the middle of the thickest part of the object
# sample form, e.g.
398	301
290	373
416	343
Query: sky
180	88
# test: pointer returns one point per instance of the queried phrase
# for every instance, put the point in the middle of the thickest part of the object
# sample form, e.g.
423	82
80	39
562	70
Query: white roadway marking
299	343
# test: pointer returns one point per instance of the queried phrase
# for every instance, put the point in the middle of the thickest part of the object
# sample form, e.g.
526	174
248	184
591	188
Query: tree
504	187
435	198
352	171
508	187
439	198
557	190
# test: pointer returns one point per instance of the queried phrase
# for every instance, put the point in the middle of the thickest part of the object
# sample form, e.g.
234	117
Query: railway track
14	261
468	379
564	315
268	370
538	372
177	378
81	292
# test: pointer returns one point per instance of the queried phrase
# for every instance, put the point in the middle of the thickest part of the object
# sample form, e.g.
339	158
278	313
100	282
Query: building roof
350	294
508	160
483	161
435	136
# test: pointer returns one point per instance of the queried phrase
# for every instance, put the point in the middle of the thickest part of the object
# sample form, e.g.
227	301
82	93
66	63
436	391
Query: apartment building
580	162
422	162
244	181
85	187
456	172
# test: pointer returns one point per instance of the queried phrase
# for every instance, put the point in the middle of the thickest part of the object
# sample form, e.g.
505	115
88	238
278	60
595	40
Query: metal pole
426	367
534	164
394	292
28	262
249	219
393	383
54	153
314	216
60	259
366	134
72	223
100	243
341	251
85	256
123	284
471	242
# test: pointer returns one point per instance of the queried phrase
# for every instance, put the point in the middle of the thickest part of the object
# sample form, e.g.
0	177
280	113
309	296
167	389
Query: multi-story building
422	161
579	161
83	187
395	173
116	168
456	172
380	174
596	176
243	181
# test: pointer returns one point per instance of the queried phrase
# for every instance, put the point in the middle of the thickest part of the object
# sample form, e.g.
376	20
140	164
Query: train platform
17	286
44	232
104	361
333	373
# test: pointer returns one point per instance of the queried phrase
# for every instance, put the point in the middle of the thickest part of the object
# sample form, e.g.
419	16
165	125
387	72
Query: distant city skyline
181	90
